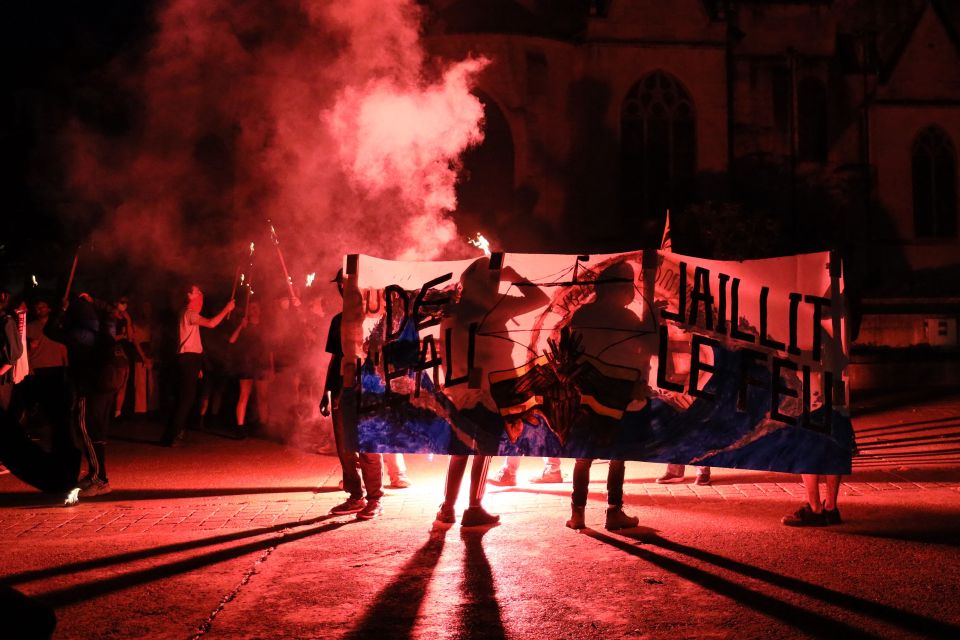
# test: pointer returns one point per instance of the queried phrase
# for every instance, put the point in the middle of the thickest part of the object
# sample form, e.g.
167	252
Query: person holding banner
371	465
597	329
482	312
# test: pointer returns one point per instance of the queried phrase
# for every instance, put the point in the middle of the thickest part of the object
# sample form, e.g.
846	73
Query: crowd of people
74	366
363	472
81	364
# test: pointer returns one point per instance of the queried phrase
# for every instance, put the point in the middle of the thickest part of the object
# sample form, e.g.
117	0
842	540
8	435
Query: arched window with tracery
934	165
812	120
658	146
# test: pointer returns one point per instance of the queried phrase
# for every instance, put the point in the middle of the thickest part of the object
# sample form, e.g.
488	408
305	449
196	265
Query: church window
658	146
934	169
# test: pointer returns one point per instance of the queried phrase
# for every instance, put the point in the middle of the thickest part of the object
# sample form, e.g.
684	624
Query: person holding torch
189	357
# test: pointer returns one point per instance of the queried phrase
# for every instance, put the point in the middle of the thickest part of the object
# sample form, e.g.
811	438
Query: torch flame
34	280
310	278
251	248
481	243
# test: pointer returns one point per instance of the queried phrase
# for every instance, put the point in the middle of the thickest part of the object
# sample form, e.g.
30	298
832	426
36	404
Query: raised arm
211	323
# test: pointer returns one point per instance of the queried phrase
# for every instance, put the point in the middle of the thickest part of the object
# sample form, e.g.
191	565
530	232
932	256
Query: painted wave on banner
657	357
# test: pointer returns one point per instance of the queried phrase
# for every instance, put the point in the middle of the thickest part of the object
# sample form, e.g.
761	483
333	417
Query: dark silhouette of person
608	330
481	304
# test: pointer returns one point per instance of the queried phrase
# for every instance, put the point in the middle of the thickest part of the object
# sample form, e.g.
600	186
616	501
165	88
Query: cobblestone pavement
115	514
899	440
232	539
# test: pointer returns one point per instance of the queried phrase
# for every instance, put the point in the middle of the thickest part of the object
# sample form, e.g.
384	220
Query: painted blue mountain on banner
709	432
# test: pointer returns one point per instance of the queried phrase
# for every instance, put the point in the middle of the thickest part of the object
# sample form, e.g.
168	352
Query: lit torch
33	279
310	278
233	291
73	272
283	264
246	303
481	243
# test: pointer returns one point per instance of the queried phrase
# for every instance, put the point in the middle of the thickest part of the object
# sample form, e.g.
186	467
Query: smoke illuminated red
326	117
327	120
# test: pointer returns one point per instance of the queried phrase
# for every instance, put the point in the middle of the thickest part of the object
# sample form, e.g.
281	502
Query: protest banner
647	355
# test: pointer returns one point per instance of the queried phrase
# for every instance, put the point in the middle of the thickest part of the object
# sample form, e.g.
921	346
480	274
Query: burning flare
480	242
310	278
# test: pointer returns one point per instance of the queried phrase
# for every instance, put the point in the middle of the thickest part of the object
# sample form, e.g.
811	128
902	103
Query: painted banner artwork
649	356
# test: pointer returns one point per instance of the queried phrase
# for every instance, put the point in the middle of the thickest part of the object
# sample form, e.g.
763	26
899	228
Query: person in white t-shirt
189	359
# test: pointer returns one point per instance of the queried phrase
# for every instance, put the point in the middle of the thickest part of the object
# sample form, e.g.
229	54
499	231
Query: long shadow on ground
152	552
89	590
802	619
394	610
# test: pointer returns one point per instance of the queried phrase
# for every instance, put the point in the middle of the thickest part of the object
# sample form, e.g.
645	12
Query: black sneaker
804	517
831	516
352	505
371	511
478	517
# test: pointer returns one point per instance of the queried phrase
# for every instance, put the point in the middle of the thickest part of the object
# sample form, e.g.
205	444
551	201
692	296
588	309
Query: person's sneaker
446	515
503	478
478	517
547	477
371	511
831	516
703	479
617	519
398	483
352	505
804	517
97	487
669	478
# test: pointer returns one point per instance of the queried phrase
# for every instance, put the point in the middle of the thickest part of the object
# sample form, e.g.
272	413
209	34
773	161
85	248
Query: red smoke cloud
406	140
326	117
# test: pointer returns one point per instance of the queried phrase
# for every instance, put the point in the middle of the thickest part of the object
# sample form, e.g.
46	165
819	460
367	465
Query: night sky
54	55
